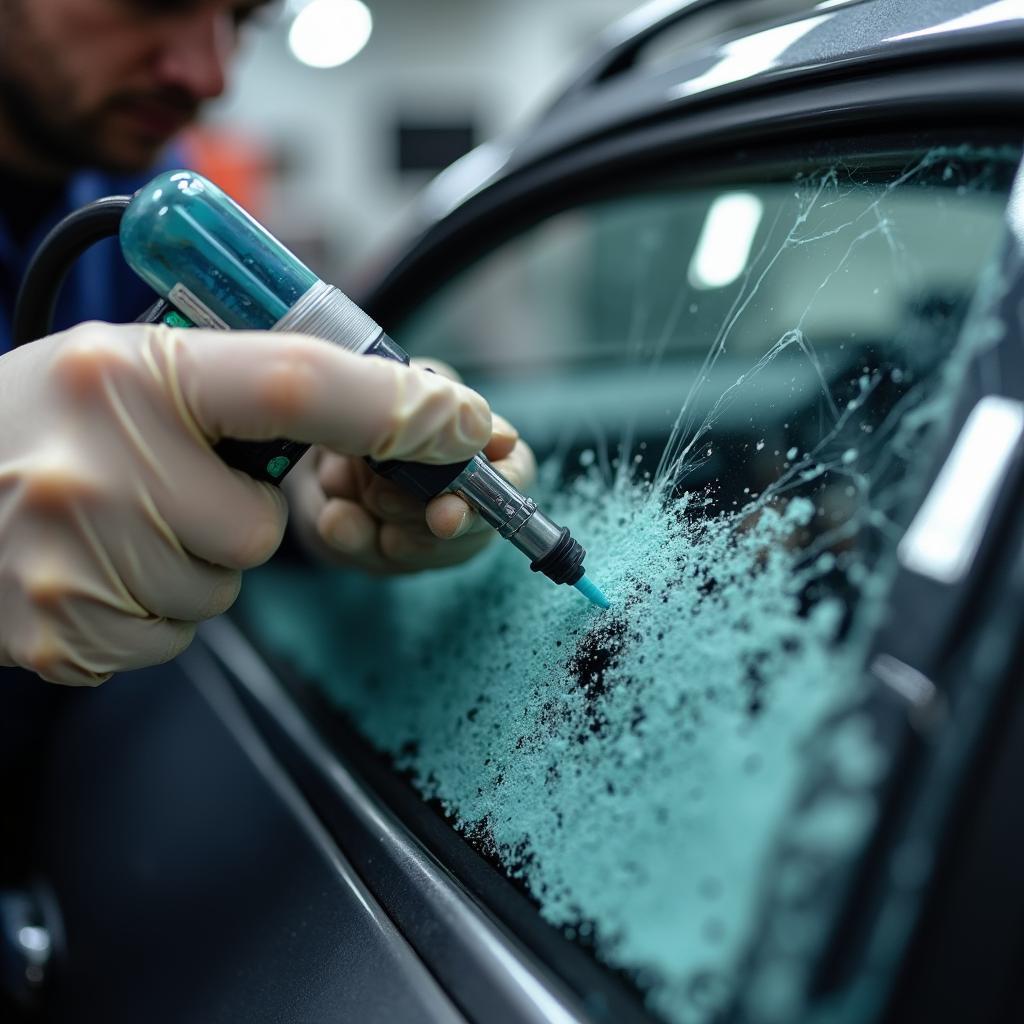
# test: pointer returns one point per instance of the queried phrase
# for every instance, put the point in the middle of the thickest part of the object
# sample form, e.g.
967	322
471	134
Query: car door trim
483	967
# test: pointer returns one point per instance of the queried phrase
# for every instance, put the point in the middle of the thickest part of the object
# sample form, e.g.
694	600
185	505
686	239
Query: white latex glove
349	516
120	528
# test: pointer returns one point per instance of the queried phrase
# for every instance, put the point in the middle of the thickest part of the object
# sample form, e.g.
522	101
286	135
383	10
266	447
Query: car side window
731	387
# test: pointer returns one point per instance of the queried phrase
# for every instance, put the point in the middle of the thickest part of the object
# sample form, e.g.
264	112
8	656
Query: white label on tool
194	308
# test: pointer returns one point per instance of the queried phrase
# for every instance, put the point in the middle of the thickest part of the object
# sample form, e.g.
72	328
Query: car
751	288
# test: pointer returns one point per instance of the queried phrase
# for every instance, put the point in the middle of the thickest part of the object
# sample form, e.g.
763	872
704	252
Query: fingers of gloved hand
353	537
122	421
359	540
266	385
390	504
343	476
503	438
306	499
87	644
171	584
50	656
518	467
114	511
152	571
448	516
220	515
74	614
411	550
73	554
350	532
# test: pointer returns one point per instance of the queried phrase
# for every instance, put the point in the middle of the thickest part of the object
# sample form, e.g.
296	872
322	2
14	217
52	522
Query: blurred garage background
330	157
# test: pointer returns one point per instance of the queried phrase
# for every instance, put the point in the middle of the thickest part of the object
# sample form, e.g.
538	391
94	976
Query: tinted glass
731	389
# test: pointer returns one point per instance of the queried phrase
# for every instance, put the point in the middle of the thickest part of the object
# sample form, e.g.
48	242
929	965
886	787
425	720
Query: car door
741	367
745	341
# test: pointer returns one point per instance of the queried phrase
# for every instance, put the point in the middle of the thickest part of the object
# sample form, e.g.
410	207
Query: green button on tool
278	464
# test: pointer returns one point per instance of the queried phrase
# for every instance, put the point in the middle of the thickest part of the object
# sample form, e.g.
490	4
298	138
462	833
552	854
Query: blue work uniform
100	286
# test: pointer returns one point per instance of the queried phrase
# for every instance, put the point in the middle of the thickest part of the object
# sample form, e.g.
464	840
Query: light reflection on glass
725	240
944	537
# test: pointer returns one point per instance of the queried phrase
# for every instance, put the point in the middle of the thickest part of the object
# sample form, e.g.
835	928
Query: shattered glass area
737	441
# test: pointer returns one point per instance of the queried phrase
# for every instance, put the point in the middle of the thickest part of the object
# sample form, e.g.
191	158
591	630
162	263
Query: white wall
495	60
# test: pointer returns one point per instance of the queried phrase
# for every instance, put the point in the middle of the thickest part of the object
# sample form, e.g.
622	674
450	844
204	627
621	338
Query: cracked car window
731	388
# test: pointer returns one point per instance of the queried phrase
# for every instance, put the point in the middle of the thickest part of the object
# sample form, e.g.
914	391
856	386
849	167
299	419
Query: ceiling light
326	33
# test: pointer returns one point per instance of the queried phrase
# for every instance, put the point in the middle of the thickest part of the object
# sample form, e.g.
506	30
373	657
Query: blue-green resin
592	592
181	231
636	762
642	771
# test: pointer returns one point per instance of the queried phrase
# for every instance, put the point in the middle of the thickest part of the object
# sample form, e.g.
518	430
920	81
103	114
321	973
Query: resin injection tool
215	266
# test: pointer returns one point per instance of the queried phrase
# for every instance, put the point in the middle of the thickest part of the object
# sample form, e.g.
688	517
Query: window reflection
723	248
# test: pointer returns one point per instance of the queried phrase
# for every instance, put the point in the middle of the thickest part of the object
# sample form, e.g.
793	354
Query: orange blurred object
238	163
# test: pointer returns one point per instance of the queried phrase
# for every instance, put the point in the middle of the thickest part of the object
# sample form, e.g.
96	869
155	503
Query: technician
120	529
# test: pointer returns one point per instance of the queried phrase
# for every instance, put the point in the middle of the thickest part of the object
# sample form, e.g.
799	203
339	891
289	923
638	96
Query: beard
121	132
51	130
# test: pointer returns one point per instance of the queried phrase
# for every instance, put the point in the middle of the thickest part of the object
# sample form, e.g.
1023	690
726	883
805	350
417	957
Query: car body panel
868	35
192	880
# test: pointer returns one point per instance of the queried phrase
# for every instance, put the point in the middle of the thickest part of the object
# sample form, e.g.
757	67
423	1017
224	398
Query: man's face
107	82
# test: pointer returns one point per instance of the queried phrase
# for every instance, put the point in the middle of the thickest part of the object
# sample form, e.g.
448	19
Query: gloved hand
348	515
120	528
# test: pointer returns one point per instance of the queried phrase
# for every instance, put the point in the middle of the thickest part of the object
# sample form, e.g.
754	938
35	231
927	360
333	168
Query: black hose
37	296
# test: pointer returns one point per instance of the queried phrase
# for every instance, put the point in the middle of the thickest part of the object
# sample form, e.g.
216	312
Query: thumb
257	385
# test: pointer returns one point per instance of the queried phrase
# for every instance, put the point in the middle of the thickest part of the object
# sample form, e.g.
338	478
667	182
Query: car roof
724	47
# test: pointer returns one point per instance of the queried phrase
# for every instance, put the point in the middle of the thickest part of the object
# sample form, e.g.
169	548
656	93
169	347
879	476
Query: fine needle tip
592	592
